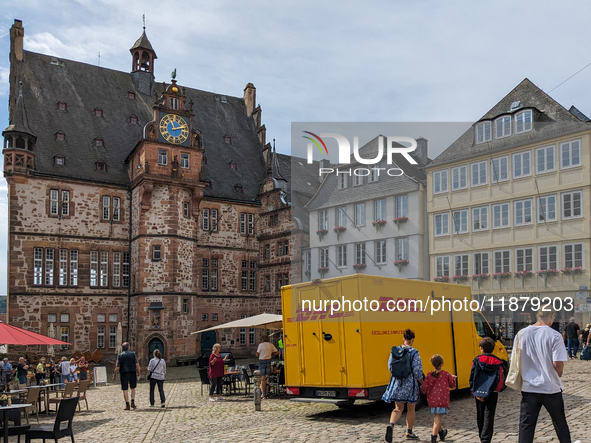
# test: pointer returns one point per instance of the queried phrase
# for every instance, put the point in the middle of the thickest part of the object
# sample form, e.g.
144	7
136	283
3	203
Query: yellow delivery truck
338	333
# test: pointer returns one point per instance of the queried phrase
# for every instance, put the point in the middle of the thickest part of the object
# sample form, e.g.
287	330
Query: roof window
208	183
59	161
98	142
133	120
204	160
101	166
62	106
131	95
238	189
233	165
98	112
228	139
60	136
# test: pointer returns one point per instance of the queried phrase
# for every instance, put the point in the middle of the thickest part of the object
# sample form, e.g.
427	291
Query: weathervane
144	19
173	74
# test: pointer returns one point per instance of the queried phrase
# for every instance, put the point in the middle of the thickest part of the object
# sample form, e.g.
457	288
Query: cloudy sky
314	61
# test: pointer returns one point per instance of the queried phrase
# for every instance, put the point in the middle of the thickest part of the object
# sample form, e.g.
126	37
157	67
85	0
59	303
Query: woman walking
40	372
157	371
216	372
404	387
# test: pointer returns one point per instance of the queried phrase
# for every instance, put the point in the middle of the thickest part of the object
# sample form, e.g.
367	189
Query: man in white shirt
265	352
542	362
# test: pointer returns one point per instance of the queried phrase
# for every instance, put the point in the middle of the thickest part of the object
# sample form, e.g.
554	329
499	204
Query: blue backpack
401	365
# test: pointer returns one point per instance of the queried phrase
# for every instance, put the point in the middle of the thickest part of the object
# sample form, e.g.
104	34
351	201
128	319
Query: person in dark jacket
487	379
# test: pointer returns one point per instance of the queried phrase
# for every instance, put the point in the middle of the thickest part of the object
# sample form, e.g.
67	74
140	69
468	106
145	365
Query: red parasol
11	335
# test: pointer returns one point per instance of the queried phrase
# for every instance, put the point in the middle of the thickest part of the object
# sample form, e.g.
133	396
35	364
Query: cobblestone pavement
189	417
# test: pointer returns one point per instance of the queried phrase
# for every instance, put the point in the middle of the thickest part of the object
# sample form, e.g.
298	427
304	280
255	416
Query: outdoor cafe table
5	410
43	388
230	377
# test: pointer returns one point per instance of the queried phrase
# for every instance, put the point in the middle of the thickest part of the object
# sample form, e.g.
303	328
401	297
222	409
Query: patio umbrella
12	335
269	321
119	341
51	334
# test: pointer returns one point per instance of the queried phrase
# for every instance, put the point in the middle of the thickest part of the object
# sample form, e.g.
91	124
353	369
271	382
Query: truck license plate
326	393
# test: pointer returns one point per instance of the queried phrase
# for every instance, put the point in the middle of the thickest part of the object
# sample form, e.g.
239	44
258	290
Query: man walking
129	367
21	371
542	362
572	336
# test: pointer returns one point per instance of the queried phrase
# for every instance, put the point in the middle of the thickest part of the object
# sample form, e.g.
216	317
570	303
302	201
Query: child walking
437	385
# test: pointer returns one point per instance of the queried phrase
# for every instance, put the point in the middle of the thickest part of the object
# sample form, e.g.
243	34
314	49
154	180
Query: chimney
421	152
17	34
250	96
324	163
257	117
262	133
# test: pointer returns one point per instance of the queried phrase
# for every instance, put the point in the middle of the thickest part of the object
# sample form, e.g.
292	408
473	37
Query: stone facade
165	247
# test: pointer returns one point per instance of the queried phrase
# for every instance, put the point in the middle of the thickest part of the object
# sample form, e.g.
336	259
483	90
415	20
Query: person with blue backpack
487	379
407	374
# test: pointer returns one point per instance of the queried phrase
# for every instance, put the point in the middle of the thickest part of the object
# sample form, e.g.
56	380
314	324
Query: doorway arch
208	339
154	344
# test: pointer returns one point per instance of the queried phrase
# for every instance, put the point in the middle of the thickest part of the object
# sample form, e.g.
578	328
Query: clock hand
173	127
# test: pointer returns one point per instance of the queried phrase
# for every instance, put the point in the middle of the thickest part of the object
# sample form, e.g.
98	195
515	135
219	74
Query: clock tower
166	182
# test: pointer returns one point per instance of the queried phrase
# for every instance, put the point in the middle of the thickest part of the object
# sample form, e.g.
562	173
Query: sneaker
411	436
388	437
163	405
212	399
442	434
151	406
221	398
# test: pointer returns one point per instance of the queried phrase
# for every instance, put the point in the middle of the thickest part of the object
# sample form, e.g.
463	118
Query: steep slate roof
301	182
553	121
329	195
18	120
143	43
83	87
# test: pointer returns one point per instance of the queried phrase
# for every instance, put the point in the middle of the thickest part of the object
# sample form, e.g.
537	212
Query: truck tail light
357	393
292	391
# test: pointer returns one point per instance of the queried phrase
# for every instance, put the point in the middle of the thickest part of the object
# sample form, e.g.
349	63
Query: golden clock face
174	129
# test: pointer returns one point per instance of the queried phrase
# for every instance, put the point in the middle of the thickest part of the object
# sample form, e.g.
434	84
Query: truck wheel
345	403
422	401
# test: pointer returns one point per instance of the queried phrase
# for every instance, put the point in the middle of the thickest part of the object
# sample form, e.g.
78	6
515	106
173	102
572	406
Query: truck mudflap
337	394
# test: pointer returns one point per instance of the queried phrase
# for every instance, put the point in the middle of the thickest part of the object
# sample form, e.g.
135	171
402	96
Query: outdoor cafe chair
248	382
33	398
82	389
204	376
65	413
65	393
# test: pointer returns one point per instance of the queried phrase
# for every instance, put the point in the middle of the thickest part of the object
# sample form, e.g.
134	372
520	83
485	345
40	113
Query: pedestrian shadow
80	426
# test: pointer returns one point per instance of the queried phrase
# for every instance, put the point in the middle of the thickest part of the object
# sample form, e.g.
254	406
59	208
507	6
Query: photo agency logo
394	145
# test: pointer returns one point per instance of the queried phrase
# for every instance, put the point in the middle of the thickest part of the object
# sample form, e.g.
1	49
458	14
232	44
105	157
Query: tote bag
514	380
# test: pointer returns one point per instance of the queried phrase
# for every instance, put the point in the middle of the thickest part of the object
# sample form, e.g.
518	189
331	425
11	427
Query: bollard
257	390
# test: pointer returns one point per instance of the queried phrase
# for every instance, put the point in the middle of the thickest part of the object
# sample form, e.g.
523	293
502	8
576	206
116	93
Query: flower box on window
500	276
460	278
400	264
398	221
323	270
378	224
545	273
339	230
479	278
526	273
359	266
573	271
321	233
442	279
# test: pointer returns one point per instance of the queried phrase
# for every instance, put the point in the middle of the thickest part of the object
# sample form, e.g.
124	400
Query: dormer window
98	142
503	127
204	160
238	189
131	95
174	103
60	136
208	184
483	132
101	166
133	120
98	112
233	165
523	121
228	139
62	106
59	161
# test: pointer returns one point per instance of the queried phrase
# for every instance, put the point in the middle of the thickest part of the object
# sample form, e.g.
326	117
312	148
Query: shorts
265	367
128	378
439	410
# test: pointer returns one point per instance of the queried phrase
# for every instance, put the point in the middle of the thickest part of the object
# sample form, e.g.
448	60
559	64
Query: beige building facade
509	210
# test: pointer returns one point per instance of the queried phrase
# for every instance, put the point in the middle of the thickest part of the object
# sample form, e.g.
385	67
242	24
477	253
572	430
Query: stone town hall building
151	204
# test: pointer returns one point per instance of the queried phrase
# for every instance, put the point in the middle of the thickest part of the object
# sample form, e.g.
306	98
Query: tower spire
142	52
